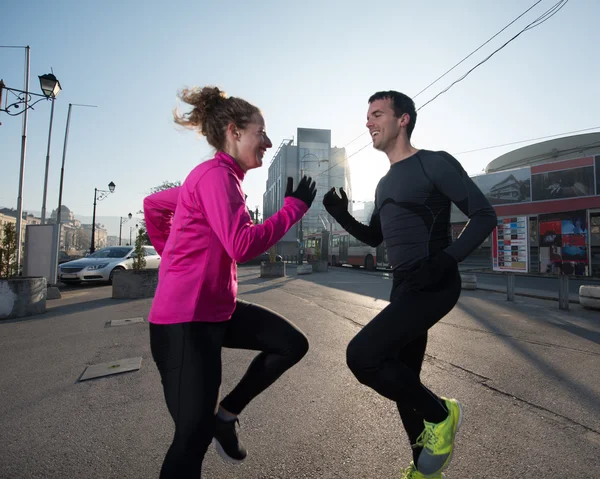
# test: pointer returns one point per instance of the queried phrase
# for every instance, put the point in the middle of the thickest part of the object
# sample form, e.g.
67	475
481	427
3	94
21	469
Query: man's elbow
374	242
492	218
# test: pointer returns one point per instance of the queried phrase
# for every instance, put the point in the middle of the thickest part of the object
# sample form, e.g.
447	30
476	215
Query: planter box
589	296
469	281
320	266
304	269
134	284
22	296
272	270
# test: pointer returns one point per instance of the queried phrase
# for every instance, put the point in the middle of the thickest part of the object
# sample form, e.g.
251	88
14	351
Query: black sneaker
227	443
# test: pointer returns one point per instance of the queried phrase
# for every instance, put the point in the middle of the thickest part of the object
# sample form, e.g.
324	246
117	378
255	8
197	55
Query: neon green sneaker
411	473
437	440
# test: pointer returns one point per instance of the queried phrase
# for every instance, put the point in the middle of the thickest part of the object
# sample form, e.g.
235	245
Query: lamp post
121	227
23	98
103	194
57	234
51	88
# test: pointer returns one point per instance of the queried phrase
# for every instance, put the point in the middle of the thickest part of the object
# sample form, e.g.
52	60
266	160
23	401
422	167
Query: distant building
112	241
553	189
66	215
9	215
100	236
313	156
364	215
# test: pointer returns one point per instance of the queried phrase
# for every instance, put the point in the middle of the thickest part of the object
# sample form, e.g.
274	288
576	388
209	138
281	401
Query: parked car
101	265
63	257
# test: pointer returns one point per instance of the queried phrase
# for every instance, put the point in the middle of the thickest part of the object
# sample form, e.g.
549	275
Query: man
412	216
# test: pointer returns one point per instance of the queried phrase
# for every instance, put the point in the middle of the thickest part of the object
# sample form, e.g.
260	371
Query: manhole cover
124	322
113	367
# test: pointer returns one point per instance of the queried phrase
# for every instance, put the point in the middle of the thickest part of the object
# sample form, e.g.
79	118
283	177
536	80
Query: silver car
101	265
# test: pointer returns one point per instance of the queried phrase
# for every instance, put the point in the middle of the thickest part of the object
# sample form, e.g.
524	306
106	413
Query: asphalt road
526	373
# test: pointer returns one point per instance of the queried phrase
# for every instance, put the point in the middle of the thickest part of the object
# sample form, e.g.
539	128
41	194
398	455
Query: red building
547	198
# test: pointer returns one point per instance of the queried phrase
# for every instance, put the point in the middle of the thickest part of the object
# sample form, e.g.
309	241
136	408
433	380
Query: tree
273	254
139	260
8	264
166	185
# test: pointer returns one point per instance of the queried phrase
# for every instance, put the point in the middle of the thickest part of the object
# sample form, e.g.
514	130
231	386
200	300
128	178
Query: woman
202	229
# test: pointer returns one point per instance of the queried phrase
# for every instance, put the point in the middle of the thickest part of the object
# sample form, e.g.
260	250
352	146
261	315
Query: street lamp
50	85
121	226
51	88
23	98
57	233
103	194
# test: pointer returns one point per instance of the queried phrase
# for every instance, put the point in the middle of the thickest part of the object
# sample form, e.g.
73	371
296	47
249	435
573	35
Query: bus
344	249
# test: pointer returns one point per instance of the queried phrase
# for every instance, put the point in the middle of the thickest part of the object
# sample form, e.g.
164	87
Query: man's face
383	125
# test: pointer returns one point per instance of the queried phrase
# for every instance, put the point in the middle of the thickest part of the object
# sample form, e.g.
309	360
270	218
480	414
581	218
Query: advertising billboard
563	242
571	183
506	187
510	245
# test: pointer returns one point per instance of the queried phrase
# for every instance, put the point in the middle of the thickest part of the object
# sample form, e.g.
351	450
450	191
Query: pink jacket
202	229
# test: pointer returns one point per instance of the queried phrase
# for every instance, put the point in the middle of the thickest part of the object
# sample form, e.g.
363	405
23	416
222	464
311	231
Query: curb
593	279
527	295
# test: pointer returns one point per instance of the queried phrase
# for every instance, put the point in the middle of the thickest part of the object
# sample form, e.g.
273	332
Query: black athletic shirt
412	210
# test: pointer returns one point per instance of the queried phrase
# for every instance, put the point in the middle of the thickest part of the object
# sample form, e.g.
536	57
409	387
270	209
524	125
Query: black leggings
188	357
387	354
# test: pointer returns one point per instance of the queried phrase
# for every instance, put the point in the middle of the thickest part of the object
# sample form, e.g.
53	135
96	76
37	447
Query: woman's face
252	143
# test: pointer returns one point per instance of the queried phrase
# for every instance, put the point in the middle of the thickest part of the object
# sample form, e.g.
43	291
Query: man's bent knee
359	362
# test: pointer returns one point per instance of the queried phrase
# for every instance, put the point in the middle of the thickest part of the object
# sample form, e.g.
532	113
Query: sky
310	64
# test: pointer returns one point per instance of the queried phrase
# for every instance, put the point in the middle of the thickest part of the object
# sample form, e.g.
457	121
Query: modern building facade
311	155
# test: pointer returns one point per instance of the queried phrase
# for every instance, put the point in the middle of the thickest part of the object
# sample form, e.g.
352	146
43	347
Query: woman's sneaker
227	442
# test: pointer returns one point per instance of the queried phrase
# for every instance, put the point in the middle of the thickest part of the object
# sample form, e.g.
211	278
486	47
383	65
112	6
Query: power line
459	63
475	51
525	141
538	21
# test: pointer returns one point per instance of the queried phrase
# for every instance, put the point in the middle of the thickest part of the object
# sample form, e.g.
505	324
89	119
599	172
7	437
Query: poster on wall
564	243
571	183
510	245
506	187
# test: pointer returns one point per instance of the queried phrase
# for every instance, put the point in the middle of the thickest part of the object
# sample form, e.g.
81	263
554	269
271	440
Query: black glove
431	272
306	191
336	206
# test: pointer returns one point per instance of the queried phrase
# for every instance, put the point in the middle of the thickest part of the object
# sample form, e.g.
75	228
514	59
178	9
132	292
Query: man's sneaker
437	440
226	441
411	473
